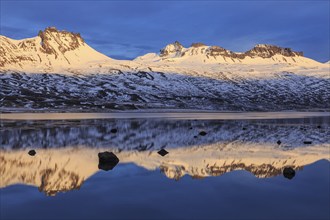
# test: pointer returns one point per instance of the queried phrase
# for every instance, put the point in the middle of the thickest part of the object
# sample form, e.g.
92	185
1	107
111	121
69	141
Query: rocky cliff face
267	51
54	41
9	51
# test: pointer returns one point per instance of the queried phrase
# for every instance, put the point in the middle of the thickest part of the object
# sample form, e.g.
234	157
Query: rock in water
32	152
162	152
202	133
289	173
107	160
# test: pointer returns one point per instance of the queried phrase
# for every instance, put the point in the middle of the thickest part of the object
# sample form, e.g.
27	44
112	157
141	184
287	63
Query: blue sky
126	29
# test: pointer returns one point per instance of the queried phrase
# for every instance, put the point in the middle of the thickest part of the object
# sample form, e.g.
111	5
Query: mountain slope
157	90
58	71
50	51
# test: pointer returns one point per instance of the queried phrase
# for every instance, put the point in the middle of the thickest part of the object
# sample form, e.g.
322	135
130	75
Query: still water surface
216	168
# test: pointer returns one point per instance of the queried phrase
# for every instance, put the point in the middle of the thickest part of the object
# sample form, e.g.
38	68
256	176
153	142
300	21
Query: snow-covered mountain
51	50
199	53
57	70
55	51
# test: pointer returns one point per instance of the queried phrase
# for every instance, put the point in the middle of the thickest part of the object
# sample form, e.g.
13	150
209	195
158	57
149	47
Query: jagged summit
267	51
51	51
171	49
71	41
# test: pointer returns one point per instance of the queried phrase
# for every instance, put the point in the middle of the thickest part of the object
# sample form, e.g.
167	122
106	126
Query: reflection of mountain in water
67	151
64	169
156	134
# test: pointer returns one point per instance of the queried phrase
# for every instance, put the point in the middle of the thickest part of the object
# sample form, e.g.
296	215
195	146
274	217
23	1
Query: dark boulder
114	130
202	133
162	152
107	160
32	152
289	173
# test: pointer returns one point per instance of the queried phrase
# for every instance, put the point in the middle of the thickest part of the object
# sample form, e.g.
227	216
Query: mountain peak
171	49
51	49
268	50
53	40
55	30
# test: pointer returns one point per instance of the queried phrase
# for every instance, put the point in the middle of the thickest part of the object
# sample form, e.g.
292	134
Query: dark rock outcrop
50	34
267	51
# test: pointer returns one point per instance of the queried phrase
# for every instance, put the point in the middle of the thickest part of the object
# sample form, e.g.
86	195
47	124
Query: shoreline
179	115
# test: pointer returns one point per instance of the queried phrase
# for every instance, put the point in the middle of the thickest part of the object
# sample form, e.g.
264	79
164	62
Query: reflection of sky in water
132	192
143	184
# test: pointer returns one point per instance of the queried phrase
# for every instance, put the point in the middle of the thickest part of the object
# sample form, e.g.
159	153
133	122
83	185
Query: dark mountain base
154	90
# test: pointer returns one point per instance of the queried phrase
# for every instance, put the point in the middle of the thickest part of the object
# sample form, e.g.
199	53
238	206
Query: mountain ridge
55	50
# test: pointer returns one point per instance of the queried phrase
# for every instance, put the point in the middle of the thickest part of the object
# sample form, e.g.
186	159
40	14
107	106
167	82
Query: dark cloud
132	28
